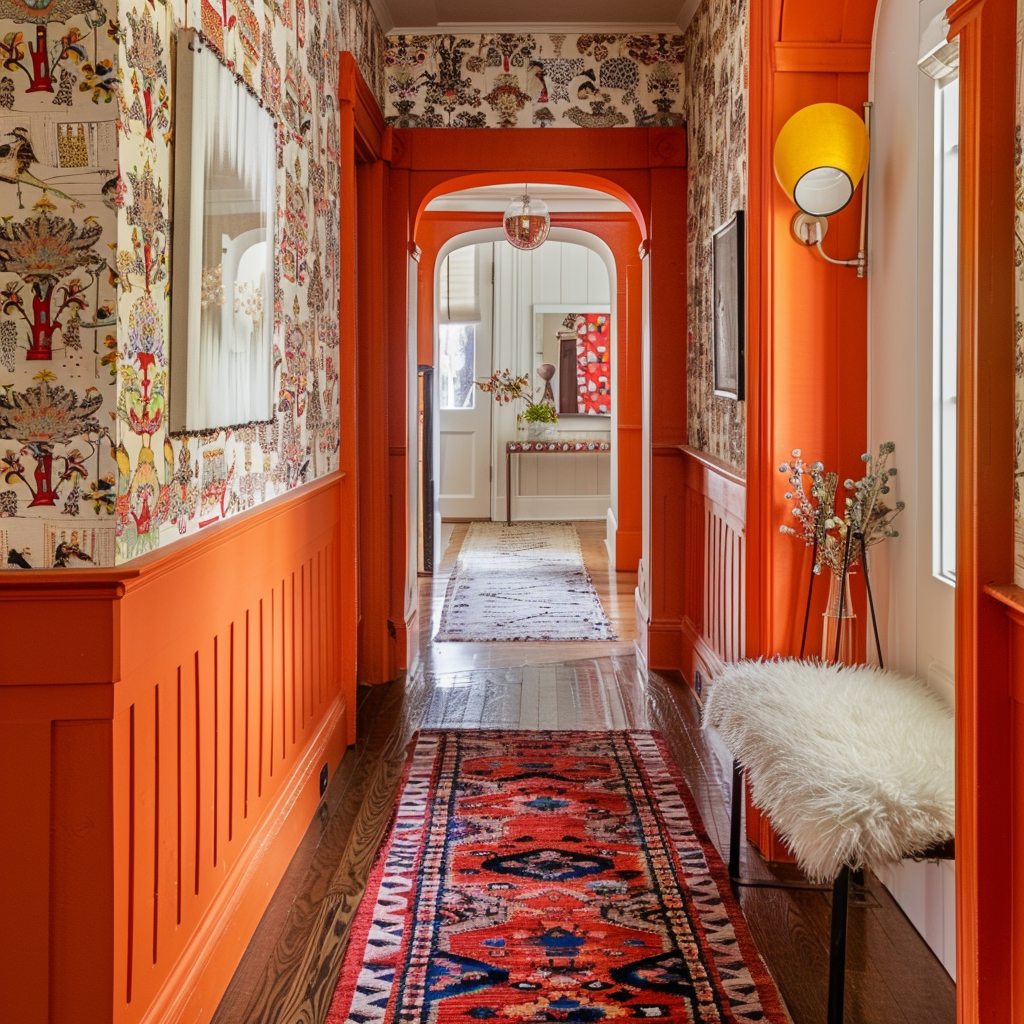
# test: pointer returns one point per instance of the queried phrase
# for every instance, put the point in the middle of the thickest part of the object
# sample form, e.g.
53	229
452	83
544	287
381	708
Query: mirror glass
576	340
224	204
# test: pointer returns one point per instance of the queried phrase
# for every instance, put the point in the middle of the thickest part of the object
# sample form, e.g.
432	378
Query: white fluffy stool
853	766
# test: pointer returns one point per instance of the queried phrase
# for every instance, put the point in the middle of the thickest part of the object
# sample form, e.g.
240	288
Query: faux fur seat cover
852	765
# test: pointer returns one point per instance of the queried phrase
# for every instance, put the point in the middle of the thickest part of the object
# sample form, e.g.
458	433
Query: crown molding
538	28
384	16
686	13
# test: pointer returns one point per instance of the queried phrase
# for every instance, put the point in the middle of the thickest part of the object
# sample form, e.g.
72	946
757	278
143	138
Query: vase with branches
507	387
840	529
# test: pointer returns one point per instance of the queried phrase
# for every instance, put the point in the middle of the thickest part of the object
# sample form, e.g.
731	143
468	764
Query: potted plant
538	420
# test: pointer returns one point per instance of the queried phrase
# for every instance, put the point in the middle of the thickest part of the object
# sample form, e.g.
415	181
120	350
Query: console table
544	448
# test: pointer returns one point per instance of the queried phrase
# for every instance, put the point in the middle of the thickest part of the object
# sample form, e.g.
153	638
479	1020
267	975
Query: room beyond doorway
497	308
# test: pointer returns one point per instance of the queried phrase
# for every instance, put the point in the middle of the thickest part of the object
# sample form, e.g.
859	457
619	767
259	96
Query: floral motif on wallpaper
1018	281
58	172
715	109
527	80
286	52
89	473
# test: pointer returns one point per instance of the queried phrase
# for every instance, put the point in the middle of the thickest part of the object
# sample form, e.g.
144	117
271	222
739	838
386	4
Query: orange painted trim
646	169
961	14
349	99
620	232
713	565
806	320
1008	594
990	747
809	58
158	778
365	379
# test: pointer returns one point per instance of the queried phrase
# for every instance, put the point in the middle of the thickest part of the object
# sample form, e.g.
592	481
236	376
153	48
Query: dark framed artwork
728	263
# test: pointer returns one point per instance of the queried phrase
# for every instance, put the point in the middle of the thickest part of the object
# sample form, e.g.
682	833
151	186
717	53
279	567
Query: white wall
916	610
560	272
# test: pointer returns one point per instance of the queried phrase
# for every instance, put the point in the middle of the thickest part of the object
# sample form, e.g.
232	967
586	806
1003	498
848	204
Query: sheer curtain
231	252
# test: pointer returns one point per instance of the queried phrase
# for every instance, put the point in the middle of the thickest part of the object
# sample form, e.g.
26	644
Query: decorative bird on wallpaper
15	160
67	550
17	558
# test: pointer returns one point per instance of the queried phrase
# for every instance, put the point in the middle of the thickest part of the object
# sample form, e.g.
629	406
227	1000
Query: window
457	355
947	126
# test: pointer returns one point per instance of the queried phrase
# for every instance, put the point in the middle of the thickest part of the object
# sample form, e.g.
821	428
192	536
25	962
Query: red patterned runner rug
548	876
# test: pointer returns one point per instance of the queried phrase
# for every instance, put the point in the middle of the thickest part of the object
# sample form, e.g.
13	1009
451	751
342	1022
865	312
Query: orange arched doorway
396	173
621	233
646	170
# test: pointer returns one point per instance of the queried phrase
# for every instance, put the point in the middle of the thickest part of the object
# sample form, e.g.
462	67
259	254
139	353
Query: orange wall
990	757
160	760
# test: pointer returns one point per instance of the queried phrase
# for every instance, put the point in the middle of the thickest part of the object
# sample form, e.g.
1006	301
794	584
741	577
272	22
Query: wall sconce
821	155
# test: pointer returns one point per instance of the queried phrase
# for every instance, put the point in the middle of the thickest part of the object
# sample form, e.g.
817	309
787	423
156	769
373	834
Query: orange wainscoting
713	594
162	729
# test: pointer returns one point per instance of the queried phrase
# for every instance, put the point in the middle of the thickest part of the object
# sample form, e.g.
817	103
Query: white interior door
463	355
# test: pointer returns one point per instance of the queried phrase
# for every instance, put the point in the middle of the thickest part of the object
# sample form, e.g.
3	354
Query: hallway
291	966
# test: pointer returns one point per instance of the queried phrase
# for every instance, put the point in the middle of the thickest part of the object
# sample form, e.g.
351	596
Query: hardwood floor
290	969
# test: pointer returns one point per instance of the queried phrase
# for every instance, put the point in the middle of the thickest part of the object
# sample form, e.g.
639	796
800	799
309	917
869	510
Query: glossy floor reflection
290	969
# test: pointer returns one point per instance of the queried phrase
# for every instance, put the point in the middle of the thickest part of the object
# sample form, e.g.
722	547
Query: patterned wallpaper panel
603	81
533	80
89	470
58	323
715	109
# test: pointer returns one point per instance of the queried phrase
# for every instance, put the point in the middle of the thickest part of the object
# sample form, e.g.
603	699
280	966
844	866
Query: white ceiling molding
686	13
384	18
559	198
493	28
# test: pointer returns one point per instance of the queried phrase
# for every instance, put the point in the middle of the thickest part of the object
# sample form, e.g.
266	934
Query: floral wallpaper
58	282
89	471
533	80
1018	280
714	106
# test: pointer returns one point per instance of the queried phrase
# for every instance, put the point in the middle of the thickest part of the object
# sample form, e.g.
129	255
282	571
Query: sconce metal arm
811	230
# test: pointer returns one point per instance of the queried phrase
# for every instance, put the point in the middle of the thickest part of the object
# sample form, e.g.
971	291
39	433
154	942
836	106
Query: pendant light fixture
527	221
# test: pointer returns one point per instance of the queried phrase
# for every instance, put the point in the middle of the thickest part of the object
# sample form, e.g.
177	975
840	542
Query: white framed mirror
225	204
577	340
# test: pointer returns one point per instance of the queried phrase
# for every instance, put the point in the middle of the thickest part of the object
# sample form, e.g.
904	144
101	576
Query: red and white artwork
593	363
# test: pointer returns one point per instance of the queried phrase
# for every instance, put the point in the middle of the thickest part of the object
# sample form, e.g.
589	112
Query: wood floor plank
290	969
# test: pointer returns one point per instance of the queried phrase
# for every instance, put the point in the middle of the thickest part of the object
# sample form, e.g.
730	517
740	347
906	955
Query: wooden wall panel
713	565
175	797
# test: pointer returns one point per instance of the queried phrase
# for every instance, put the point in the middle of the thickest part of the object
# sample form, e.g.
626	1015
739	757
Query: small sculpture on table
546	371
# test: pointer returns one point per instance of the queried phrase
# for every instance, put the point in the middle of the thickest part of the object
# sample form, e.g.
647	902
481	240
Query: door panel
464	355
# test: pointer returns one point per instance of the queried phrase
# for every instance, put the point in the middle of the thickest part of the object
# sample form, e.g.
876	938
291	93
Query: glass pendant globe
527	222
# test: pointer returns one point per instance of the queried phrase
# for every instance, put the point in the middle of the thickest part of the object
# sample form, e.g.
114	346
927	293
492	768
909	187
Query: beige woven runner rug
524	581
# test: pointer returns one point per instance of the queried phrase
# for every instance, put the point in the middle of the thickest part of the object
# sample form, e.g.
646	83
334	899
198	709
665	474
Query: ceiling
407	17
560	199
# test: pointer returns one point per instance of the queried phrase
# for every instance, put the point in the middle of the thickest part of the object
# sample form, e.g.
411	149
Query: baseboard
611	529
698	654
409	641
665	646
194	987
640	615
550	507
629	546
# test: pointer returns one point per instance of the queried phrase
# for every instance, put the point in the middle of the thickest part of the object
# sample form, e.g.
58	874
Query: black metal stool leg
837	947
735	824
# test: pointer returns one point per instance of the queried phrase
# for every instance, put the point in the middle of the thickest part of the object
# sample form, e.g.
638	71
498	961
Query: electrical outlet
323	780
698	683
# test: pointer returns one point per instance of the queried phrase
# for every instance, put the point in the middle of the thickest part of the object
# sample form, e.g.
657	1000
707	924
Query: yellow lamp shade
820	156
